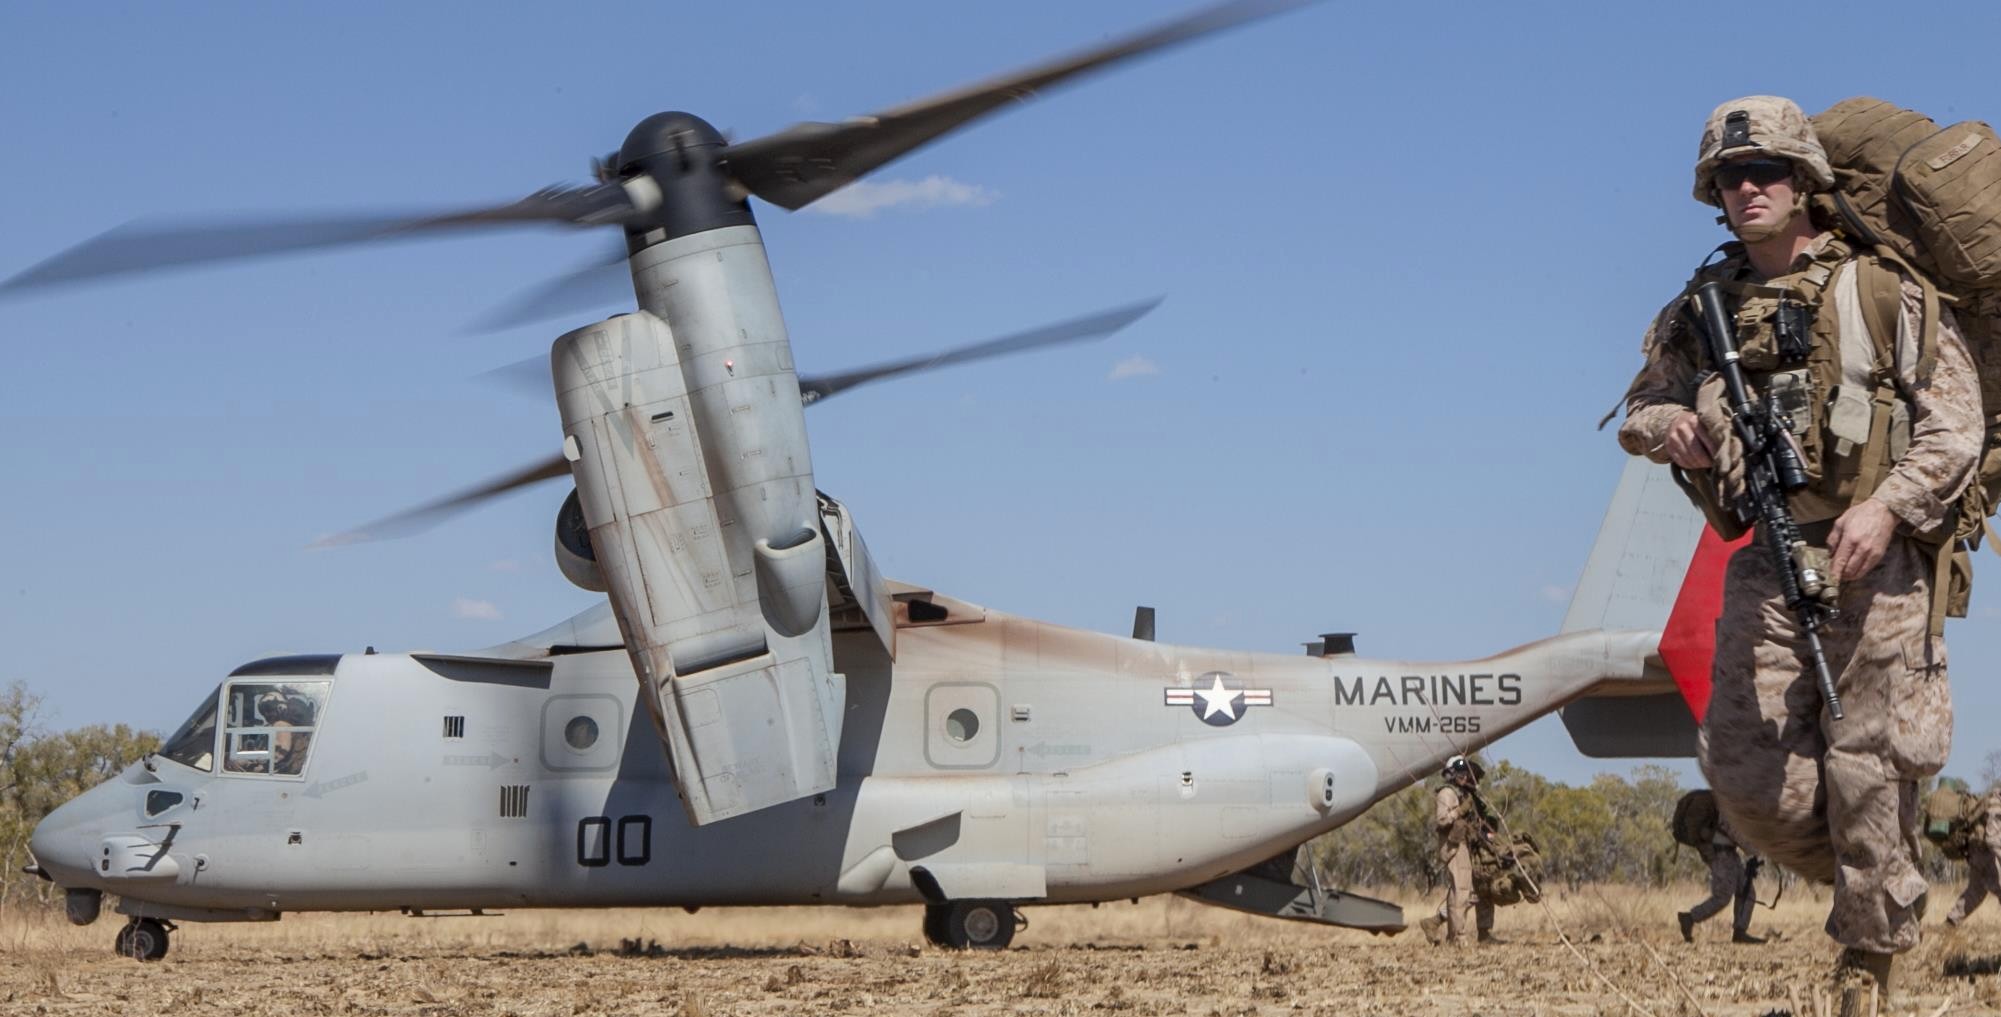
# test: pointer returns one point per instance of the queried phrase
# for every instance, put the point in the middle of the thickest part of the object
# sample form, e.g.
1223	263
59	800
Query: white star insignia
1217	699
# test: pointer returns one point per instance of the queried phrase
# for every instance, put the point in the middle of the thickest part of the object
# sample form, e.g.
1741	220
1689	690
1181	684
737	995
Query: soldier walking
1889	428
1979	842
1458	823
1729	876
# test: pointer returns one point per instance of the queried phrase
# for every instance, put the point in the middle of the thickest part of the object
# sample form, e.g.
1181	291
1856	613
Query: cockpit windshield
194	743
268	726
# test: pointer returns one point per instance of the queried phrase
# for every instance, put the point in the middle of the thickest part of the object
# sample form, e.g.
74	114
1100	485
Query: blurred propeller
140	246
791	169
533	375
808	161
813	388
606	280
414	521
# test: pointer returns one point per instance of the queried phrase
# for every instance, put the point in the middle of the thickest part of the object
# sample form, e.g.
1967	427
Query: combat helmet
1461	766
1759	125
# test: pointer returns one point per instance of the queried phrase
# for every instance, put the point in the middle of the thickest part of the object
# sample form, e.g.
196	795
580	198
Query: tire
144	939
979	925
935	918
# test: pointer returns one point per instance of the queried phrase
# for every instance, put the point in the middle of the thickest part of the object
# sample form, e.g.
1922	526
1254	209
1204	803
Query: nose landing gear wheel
143	939
978	925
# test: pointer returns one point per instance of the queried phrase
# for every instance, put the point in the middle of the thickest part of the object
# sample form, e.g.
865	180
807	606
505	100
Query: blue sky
1407	249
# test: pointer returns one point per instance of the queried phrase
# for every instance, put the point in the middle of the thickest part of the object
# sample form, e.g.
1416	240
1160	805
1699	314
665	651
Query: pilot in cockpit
288	748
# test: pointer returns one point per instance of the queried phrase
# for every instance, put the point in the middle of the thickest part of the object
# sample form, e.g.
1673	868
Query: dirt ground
1160	956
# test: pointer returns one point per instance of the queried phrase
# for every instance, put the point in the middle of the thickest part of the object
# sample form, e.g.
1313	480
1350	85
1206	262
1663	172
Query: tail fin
1635	579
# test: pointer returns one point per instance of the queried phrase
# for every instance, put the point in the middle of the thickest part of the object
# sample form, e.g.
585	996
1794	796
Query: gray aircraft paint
1078	778
686	435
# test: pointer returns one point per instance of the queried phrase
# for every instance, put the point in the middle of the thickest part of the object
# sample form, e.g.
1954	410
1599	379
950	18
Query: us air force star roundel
1218	699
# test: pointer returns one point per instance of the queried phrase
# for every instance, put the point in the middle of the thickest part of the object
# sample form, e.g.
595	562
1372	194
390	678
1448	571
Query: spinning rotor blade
805	162
607	280
139	246
531	376
423	517
813	388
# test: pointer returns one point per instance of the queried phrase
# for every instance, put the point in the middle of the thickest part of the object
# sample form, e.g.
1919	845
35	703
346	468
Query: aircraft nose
65	841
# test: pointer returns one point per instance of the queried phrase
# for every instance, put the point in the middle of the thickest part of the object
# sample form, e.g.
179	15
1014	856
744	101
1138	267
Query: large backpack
1694	822
1950	818
1510	877
1929	199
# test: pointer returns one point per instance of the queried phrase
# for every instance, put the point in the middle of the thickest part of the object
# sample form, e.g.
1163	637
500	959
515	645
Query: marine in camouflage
1453	818
1834	801
1726	882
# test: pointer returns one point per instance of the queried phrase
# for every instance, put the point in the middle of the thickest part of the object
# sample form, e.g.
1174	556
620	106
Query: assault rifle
1772	470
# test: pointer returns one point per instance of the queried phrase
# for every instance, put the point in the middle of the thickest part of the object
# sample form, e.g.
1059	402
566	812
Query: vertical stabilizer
1631	581
1643	550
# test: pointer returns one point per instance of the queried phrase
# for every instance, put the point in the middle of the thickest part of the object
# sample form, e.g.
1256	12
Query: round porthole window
962	725
581	733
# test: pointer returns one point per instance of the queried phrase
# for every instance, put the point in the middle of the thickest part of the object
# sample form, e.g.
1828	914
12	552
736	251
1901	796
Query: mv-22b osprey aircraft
755	716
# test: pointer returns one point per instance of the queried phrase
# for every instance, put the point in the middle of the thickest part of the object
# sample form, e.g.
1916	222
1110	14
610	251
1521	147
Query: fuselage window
160	801
268	727
194	743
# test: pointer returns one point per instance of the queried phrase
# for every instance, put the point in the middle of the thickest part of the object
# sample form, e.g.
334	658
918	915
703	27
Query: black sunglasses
1762	172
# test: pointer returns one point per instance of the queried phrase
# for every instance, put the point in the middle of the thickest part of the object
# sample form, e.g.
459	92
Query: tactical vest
1819	345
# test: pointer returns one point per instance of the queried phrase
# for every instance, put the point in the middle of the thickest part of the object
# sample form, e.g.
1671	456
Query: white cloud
475	610
1556	594
505	565
1135	366
865	198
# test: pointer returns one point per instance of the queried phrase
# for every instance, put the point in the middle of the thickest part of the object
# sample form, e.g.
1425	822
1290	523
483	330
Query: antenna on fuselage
1332	644
1143	623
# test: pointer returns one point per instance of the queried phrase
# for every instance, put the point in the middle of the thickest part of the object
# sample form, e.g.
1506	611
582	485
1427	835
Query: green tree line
41	769
1612	830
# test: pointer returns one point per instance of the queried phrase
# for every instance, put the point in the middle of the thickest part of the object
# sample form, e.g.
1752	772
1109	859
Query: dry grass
1162	956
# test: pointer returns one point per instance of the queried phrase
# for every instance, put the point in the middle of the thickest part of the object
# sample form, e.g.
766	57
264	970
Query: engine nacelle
574	556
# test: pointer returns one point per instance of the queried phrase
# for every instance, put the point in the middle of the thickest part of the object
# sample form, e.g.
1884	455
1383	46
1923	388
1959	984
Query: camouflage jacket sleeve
1665	387
1448	811
1947	426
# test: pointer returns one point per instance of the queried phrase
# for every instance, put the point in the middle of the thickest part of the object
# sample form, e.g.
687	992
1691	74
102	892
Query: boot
1859	968
1744	936
1487	936
1434	929
1687	926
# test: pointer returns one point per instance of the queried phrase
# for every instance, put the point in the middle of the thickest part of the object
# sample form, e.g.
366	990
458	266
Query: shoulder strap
1882	291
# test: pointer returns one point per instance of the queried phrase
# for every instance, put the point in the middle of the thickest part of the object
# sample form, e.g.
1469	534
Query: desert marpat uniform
1834	801
1983	862
1726	881
1457	825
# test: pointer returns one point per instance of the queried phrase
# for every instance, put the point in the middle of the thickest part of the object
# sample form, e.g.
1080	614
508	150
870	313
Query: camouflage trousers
1726	880
1983	874
1835	801
1459	896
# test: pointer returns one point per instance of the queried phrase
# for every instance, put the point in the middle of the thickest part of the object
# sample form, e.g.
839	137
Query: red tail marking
1688	642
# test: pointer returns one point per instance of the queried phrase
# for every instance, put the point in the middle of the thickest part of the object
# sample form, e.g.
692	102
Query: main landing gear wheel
971	925
934	924
143	939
